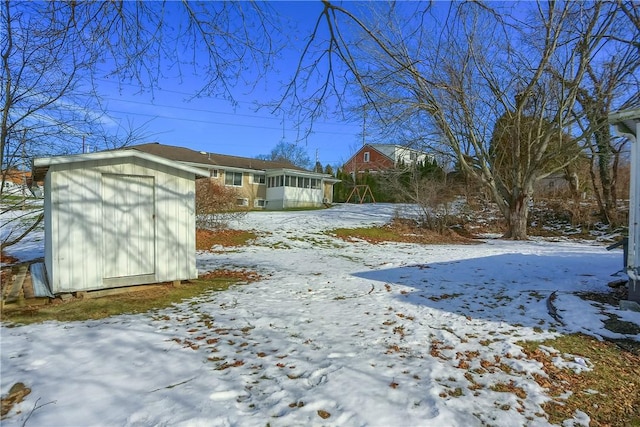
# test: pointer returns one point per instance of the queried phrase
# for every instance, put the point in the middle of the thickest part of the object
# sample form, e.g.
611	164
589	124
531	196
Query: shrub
216	205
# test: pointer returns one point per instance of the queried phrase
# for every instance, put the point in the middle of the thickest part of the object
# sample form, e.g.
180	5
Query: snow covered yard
337	333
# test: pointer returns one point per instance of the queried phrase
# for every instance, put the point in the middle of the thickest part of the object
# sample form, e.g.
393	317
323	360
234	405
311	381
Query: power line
220	123
200	110
166	90
253	116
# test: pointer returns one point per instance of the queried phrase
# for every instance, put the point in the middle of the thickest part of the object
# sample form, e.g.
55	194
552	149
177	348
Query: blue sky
215	125
169	115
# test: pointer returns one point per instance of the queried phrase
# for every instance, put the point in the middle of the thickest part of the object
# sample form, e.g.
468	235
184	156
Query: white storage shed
117	218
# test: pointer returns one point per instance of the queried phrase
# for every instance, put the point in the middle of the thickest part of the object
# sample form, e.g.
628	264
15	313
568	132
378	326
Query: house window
242	202
366	156
213	173
259	203
413	156
259	179
233	178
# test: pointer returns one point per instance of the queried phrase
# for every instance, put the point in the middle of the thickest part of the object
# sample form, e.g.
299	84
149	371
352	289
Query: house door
128	226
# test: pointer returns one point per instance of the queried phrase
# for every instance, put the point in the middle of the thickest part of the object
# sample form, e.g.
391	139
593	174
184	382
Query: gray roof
41	164
182	154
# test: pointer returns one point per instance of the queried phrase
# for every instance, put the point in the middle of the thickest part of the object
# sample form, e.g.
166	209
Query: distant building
381	157
18	182
260	184
551	185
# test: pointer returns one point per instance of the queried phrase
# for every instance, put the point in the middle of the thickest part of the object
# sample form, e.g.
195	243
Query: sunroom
293	189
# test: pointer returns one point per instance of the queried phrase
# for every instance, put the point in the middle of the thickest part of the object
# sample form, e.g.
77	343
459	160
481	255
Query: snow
378	335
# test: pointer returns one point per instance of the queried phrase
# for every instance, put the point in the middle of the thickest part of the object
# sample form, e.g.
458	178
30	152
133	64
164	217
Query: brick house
380	157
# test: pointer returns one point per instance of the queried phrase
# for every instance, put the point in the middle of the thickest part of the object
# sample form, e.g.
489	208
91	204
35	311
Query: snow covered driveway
336	333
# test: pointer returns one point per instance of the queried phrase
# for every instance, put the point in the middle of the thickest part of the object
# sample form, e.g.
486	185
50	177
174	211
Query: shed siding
128	228
75	198
633	257
75	219
48	234
175	222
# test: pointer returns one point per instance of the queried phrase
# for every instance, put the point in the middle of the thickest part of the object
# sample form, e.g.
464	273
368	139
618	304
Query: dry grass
205	239
403	231
7	259
131	301
609	394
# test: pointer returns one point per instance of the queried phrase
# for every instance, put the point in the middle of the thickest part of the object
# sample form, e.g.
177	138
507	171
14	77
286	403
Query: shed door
128	225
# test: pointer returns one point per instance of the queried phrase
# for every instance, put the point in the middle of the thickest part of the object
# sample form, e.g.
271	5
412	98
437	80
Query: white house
259	183
117	218
402	154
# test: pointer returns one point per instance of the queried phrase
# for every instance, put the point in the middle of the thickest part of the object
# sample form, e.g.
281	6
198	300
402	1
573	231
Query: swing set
360	197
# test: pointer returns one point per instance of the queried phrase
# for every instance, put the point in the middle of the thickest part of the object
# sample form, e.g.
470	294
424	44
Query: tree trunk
605	158
518	217
596	190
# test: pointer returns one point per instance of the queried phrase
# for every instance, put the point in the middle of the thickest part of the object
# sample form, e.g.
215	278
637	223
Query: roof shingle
182	154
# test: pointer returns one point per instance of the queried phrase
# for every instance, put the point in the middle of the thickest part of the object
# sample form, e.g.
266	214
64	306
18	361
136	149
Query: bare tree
288	152
454	79
53	54
424	186
45	107
609	80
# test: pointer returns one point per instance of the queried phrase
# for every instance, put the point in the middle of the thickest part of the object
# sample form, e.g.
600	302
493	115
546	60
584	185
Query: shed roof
182	154
41	165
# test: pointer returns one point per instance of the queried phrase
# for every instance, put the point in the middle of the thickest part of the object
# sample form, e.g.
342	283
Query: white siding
75	221
399	153
633	257
275	197
176	246
48	234
128	230
302	197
